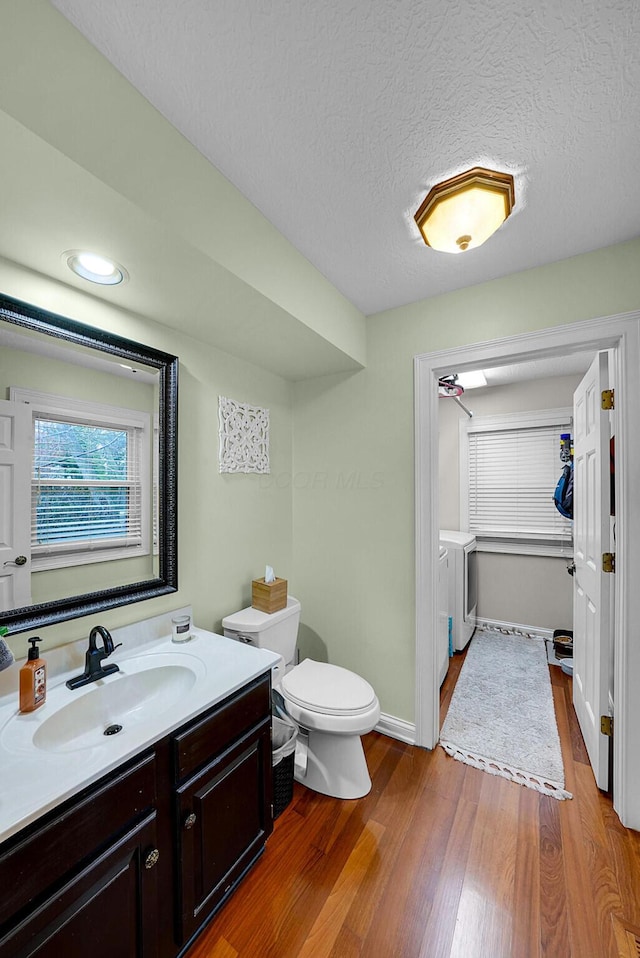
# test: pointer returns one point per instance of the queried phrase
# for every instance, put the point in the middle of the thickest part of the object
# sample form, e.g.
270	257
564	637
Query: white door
592	586
15	505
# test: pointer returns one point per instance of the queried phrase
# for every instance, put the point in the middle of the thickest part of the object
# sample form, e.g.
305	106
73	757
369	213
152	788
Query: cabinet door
107	910
224	817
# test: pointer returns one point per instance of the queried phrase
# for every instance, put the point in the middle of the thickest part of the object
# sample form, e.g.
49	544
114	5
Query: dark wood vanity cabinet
183	822
222	767
92	858
108	908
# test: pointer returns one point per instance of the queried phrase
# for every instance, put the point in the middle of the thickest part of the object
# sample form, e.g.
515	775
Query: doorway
499	463
622	334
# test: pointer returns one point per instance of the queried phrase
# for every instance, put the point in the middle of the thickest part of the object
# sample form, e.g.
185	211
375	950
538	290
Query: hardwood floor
441	860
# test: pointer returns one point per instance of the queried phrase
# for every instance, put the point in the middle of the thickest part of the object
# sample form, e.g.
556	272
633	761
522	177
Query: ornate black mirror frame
35	616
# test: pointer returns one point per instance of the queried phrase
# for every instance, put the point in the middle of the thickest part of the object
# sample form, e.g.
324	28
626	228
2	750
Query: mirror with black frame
88	469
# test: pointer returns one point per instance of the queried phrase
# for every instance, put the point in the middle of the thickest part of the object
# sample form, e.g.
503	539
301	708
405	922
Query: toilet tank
277	632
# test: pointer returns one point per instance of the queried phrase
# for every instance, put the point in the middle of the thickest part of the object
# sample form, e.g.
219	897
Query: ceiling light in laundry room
463	212
472	380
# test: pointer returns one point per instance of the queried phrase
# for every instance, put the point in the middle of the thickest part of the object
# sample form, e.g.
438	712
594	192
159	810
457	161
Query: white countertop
34	780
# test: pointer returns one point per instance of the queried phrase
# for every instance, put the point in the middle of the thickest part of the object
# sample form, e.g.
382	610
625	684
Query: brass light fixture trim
464	211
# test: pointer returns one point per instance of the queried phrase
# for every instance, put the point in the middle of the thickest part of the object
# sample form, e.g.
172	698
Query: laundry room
522	558
487	487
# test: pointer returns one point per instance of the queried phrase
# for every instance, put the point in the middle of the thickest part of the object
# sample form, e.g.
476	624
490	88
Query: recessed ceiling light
95	268
464	211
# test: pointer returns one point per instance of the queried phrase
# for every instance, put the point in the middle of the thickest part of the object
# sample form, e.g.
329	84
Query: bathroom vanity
136	860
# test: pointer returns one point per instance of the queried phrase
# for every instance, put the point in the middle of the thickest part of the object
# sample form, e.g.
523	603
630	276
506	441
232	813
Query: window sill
65	560
523	547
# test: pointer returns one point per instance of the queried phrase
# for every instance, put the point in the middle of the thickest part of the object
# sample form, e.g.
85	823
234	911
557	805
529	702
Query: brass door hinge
608	562
608	399
606	725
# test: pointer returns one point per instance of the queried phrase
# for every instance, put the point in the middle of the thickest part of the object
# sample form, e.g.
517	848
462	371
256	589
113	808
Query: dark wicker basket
283	784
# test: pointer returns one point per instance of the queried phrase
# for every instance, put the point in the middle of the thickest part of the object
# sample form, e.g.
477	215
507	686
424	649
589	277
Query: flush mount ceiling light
96	269
461	213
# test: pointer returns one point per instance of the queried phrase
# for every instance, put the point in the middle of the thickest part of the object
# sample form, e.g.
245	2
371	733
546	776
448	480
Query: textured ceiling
573	365
335	118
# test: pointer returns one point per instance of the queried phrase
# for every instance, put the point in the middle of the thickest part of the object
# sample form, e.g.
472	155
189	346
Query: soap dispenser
33	679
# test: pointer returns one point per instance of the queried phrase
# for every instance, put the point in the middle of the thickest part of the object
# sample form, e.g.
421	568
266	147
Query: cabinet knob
152	858
190	820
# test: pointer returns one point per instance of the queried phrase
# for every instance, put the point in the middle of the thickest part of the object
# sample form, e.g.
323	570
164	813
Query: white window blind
87	486
511	466
91	484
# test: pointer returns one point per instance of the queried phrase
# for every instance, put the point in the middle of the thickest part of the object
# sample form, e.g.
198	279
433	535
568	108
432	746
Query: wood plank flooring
441	860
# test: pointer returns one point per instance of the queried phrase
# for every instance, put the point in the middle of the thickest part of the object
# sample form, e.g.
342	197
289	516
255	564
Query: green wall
354	458
229	526
336	515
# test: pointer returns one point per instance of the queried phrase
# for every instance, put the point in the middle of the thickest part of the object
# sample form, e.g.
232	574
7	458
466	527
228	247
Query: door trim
622	334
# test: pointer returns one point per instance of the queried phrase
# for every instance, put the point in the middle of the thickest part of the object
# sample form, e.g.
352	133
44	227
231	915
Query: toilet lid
321	687
252	620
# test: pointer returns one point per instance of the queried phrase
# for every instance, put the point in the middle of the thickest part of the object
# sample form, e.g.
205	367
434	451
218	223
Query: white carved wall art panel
244	437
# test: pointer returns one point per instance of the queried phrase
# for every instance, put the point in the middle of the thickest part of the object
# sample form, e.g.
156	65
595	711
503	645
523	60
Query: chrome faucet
93	667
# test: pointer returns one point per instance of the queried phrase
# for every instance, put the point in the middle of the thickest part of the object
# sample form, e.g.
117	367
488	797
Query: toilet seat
328	698
328	689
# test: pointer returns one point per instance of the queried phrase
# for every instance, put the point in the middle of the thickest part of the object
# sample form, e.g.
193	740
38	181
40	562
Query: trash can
283	743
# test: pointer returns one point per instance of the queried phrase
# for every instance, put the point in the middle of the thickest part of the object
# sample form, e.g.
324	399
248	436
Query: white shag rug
501	718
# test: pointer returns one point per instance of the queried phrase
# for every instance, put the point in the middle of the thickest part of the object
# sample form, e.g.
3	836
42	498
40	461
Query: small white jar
181	628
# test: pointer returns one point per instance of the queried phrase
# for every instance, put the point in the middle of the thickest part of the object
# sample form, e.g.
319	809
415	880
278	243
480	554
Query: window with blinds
509	470
86	487
91	480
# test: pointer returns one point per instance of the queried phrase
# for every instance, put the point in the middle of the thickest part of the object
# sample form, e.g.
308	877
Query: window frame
560	418
92	414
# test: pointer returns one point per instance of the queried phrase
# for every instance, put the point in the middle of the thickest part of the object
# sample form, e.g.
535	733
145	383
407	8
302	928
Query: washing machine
443	614
463	584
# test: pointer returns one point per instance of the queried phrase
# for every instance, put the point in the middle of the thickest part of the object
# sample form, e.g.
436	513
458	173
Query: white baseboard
397	728
514	627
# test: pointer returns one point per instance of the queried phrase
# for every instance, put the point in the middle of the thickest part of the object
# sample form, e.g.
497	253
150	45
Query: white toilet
332	706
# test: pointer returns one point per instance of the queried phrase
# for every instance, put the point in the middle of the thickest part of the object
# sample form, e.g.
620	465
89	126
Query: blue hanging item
563	495
566	447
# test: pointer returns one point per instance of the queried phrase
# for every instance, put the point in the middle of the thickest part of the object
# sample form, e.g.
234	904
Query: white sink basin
145	687
51	754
